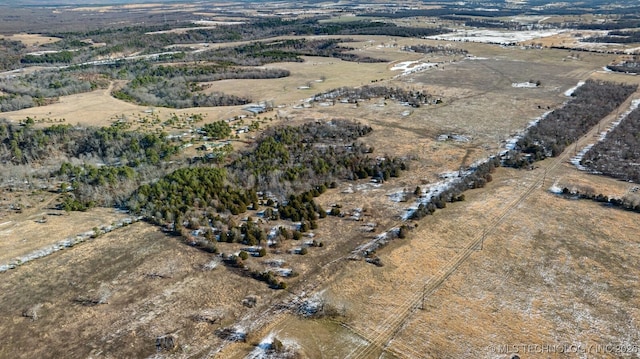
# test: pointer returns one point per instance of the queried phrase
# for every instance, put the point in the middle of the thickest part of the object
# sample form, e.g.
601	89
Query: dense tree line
109	145
142	72
147	39
176	93
272	27
260	53
631	67
25	144
353	95
609	25
590	103
617	36
493	23
618	155
428	49
447	10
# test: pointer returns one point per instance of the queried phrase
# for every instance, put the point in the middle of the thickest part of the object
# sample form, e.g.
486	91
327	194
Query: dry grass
553	271
32	39
140	307
21	234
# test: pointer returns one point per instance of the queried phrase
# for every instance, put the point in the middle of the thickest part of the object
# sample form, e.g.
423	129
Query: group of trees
260	53
629	204
590	103
353	95
631	67
10	54
618	155
440	50
174	195
311	155
217	130
477	177
96	165
177	86
37	89
618	37
64	57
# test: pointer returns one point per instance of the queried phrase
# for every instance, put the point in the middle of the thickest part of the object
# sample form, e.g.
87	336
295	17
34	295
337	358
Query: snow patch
410	67
555	189
570	91
524	84
495	36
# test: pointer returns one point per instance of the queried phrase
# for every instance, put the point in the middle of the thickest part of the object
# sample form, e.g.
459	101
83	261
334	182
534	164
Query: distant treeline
147	39
260	53
618	37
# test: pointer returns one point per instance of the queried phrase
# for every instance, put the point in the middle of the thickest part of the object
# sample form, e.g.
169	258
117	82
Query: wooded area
589	104
618	155
44	87
91	166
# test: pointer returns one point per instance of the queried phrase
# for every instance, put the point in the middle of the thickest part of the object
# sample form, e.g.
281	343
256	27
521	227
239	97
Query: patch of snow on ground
570	91
555	189
262	350
409	67
575	160
632	51
524	85
495	36
282	272
471	57
399	196
511	142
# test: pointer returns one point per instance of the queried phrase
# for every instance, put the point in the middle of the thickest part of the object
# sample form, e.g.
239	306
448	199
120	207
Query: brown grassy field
551	271
32	39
